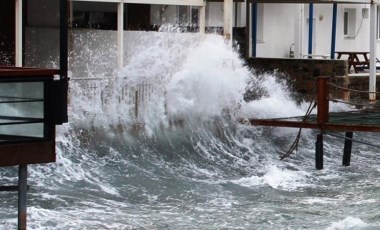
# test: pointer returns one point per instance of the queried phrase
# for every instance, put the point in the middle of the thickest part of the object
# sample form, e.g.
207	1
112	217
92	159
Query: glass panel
345	23
41	31
22	109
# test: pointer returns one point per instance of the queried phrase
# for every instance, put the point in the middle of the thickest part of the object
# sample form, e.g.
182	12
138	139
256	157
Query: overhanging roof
318	1
159	2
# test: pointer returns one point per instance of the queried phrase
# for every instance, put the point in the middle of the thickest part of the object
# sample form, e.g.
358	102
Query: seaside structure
32	100
292	31
34	33
296	29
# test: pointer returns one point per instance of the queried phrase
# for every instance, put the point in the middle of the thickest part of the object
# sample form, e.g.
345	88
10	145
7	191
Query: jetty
328	123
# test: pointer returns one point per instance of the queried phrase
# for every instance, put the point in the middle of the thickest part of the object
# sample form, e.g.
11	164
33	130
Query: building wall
278	30
281	25
323	20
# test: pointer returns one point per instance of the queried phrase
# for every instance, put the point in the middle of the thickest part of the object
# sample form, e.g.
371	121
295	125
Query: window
349	23
101	16
378	24
188	18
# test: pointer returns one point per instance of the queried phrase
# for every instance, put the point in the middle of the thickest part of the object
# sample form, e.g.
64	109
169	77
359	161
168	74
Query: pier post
322	101
22	189
322	117
347	149
319	152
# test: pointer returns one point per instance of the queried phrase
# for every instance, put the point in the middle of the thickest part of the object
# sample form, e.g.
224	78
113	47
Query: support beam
311	16
333	31
319	152
372	42
22	190
347	149
63	86
202	19
120	35
18	33
247	29
153	2
322	101
254	28
228	9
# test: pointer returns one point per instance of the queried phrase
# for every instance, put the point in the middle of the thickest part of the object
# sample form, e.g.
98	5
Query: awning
318	1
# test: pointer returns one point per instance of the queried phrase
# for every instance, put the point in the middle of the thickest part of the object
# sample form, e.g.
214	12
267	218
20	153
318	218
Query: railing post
319	152
322	100
22	189
322	117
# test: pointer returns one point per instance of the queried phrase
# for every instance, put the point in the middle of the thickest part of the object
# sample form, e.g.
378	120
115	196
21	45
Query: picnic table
354	60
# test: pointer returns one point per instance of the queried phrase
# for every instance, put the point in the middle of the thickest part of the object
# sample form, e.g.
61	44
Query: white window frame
349	23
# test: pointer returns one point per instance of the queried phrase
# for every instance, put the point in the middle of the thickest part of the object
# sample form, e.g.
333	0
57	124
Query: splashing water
188	164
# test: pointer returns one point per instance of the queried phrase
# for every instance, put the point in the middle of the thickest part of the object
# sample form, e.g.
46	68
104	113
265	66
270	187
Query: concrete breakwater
301	75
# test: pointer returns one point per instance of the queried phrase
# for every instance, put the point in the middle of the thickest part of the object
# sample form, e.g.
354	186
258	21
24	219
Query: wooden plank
27	153
313	125
27	72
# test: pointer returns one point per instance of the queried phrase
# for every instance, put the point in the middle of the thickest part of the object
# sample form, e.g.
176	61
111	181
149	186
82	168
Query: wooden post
347	149
322	101
319	152
322	117
22	189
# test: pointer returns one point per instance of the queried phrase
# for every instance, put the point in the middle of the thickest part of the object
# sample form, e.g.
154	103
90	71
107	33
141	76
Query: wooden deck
360	120
365	120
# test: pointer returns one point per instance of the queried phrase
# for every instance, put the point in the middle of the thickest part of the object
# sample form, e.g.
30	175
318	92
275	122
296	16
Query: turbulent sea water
192	166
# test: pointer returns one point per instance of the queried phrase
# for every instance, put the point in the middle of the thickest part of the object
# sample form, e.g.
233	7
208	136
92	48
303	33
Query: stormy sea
158	145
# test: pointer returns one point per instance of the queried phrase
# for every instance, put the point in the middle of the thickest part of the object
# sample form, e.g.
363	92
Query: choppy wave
189	164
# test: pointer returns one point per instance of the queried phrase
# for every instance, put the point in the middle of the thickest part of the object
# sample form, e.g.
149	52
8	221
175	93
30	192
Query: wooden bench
353	59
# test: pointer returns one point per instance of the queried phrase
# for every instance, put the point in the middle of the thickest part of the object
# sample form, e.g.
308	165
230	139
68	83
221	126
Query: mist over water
188	163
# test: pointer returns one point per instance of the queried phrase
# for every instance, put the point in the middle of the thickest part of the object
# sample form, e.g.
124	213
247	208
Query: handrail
351	90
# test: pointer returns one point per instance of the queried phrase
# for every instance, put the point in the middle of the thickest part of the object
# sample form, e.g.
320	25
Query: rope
294	145
352	139
352	103
352	90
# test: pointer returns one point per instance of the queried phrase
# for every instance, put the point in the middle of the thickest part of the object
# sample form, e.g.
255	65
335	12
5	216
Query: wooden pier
326	121
30	108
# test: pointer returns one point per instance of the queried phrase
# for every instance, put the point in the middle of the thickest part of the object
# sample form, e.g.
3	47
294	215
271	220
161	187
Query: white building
282	28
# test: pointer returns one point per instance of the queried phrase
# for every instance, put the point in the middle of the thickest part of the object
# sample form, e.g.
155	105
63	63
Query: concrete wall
302	73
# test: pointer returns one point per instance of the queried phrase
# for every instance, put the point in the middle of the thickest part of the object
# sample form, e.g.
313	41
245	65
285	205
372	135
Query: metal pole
202	19
62	88
333	31
347	149
311	15
18	33
247	29
228	19
254	28
120	35
22	190
372	64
